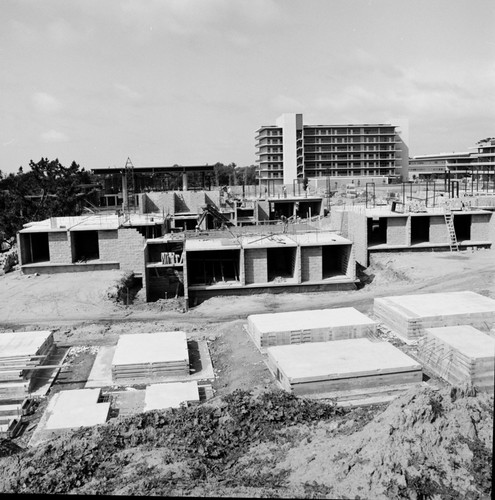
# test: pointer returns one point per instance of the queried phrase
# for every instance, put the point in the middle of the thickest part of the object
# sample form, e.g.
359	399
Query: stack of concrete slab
355	366
297	327
460	355
170	395
147	356
409	315
20	354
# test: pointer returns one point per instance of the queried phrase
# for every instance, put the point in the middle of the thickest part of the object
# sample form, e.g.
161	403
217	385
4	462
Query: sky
189	82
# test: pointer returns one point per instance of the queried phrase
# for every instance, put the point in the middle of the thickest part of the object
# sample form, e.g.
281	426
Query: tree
48	190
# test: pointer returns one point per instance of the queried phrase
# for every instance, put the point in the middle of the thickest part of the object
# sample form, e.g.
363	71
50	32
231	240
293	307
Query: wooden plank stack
409	315
150	357
461	355
20	354
298	327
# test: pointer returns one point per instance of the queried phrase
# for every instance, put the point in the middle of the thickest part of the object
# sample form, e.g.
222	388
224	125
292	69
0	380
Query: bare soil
77	307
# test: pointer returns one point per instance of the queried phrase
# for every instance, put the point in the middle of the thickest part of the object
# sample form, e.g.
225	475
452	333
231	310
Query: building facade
477	166
290	151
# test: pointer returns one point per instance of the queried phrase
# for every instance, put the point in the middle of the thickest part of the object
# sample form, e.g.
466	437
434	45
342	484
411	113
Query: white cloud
53	136
127	93
46	103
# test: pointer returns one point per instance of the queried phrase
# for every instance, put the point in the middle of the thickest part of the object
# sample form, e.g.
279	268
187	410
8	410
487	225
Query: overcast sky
190	81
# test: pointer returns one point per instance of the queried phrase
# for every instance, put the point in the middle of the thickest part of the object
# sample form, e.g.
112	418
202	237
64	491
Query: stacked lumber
343	365
409	315
20	354
461	355
150	356
298	327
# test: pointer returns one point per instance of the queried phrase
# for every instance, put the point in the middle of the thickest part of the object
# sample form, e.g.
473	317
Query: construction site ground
79	309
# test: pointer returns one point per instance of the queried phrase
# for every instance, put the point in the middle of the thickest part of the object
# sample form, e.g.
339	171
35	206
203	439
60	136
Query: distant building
478	165
291	150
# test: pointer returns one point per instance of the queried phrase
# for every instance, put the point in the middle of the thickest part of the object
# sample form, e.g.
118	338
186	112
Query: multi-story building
477	166
291	150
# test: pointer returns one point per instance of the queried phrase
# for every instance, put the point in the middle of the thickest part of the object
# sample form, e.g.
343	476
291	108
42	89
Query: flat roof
340	359
91	222
306	320
151	170
466	339
144	348
439	304
76	408
320	238
265	241
170	395
204	244
22	343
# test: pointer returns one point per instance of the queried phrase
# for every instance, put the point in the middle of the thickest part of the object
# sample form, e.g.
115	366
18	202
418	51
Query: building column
184	181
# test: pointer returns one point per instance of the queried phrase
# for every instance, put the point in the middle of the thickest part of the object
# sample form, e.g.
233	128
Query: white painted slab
170	395
307	320
466	339
22	343
339	359
441	304
160	347
76	408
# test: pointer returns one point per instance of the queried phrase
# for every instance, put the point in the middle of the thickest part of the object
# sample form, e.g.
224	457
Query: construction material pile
150	356
296	327
409	315
20	354
460	355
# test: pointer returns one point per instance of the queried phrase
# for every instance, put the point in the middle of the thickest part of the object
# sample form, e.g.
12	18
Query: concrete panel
460	354
76	408
408	315
342	359
170	395
480	227
296	327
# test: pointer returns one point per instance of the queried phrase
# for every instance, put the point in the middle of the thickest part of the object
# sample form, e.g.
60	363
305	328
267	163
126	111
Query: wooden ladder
454	246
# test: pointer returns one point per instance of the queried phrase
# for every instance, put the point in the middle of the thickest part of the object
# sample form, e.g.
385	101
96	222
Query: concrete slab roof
91	223
264	241
307	320
170	395
76	408
340	359
466	339
292	199
144	348
203	244
320	238
440	304
22	343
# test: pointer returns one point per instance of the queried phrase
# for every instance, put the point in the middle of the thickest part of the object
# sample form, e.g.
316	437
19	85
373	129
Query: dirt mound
426	442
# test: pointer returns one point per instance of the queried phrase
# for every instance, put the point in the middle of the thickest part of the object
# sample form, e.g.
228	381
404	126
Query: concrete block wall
59	246
347	262
439	232
125	246
397	233
480	227
357	232
256	265
159	201
311	264
262	210
131	250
